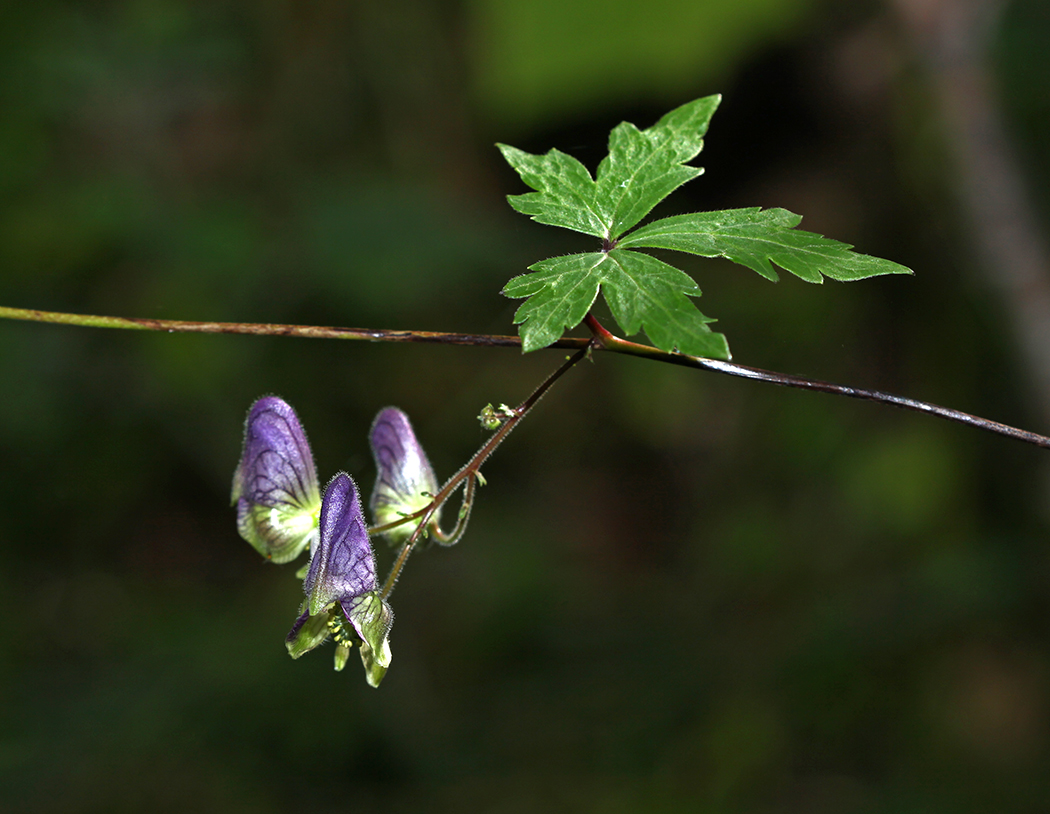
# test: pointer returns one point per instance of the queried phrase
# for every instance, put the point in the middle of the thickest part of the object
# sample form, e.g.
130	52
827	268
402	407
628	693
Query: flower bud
342	592
275	485
405	482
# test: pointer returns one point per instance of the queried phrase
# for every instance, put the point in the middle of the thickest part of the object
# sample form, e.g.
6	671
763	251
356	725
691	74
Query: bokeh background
679	591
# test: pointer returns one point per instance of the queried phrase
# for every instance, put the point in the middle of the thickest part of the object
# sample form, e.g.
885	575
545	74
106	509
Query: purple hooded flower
405	482
342	593
275	485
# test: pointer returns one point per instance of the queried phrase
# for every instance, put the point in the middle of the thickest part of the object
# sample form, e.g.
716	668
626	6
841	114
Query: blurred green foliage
548	57
679	592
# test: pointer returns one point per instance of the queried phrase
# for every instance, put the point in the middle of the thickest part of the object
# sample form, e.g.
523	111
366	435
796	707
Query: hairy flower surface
342	593
405	481
275	485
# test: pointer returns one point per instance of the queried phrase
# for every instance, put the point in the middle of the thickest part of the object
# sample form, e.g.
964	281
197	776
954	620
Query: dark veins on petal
278	456
343	565
387	433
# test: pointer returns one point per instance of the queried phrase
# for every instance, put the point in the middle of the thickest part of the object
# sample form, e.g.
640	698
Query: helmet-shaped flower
405	482
275	485
342	593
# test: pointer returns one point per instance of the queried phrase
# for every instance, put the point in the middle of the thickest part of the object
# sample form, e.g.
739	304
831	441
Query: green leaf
560	291
567	191
642	168
642	292
646	293
756	239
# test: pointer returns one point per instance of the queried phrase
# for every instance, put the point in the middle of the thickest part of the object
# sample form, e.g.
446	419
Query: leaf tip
529	343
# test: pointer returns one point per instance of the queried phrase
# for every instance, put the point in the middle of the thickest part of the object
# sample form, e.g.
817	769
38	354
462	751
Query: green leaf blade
642	168
647	294
645	166
564	188
643	293
758	239
560	292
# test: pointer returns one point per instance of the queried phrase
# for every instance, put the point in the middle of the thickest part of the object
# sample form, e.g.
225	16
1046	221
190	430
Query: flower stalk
467	476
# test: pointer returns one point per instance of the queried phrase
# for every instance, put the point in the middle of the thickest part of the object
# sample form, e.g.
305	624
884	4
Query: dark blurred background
679	592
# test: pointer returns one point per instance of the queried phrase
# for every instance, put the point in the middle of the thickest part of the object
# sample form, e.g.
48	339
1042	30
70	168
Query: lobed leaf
560	291
643	167
647	294
566	195
643	293
758	238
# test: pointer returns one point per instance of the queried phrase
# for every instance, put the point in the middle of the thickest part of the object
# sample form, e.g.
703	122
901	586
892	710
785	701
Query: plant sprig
642	168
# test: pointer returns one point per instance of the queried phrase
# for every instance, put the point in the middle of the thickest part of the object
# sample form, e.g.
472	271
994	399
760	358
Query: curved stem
443	538
601	340
618	345
469	472
452	537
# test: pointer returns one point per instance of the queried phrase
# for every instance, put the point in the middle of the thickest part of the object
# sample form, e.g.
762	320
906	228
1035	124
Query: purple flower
405	482
342	593
275	485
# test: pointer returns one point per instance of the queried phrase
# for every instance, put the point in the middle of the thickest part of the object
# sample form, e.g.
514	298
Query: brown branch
601	340
276	329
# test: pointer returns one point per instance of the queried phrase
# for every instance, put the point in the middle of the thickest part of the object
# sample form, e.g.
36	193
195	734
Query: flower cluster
281	513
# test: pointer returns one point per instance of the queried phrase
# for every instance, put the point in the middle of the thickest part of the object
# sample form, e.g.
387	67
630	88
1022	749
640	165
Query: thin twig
276	329
958	416
470	470
601	340
802	383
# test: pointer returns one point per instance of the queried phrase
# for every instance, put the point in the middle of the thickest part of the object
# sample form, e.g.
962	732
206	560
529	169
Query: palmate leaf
643	167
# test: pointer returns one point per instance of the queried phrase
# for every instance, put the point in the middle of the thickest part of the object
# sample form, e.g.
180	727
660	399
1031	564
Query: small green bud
492	418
